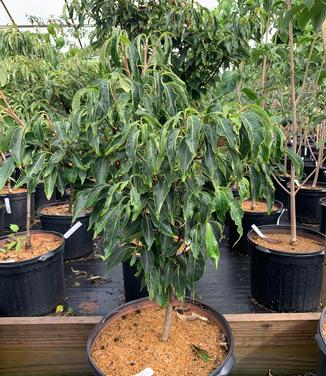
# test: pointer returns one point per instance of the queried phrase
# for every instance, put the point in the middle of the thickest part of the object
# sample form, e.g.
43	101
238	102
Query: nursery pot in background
323	215
320	338
138	305
279	193
35	286
2	213
80	243
250	218
40	197
308	204
16	213
286	281
309	168
132	284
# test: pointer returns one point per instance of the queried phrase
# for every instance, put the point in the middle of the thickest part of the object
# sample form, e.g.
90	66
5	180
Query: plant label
7	204
72	229
305	151
146	372
258	232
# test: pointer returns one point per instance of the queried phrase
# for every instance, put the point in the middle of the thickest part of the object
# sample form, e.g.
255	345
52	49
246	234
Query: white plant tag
305	151
146	372
258	232
7	204
72	229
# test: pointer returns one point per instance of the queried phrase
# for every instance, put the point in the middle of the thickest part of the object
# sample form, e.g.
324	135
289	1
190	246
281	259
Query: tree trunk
323	31
168	317
28	221
321	133
294	133
71	192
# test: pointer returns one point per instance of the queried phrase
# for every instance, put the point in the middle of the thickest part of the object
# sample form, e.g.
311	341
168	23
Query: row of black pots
32	287
78	245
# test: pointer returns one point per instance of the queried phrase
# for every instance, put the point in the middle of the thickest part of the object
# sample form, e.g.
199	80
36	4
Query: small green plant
12	241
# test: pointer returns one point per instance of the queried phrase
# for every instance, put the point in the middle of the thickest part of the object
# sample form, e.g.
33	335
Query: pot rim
321	340
41	258
278	211
309	190
15	194
40	214
286	254
138	305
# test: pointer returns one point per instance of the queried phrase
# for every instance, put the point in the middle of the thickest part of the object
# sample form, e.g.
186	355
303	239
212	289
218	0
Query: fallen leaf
203	354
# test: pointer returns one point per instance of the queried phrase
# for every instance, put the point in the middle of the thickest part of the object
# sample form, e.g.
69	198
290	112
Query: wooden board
283	343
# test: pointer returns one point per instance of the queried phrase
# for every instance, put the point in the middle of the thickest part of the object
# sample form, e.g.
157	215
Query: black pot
309	167
33	287
322	345
323	215
80	243
308	204
286	282
279	193
40	198
18	206
247	221
132	284
2	213
223	369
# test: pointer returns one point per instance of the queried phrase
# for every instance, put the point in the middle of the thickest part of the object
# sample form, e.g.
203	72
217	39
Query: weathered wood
50	346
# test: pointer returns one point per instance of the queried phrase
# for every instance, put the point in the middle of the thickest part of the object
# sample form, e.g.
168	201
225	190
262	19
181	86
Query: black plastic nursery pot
80	243
132	283
279	193
322	345
308	204
40	197
286	282
32	287
2	213
323	215
18	207
250	218
309	168
223	369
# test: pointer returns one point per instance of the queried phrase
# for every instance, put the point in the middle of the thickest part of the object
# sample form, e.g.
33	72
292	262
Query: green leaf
136	203
236	214
49	183
131	146
14	228
296	160
212	248
193	133
147	260
148	231
80	203
3	75
202	354
18	145
6	170
118	255
185	157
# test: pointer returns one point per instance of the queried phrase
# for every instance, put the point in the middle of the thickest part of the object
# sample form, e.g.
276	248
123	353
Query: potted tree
286	261
67	164
13	199
163	205
31	262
